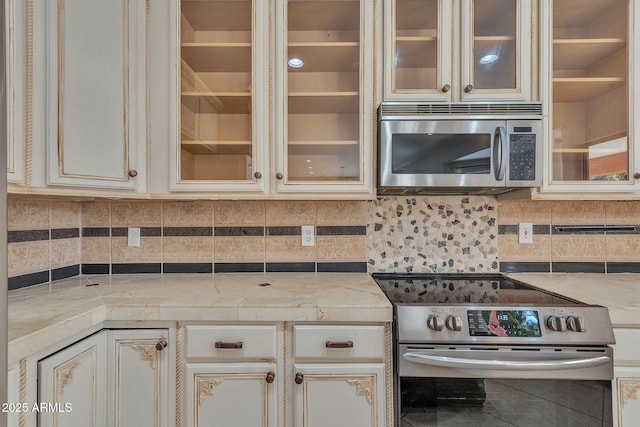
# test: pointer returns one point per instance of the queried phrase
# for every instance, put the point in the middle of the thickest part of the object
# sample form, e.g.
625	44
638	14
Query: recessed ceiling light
295	62
489	58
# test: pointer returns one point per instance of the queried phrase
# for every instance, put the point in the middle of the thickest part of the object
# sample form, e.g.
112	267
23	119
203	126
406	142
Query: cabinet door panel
340	395
74	376
627	387
96	113
231	394
137	378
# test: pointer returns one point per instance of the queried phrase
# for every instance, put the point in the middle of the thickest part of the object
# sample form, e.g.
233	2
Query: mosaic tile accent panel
433	234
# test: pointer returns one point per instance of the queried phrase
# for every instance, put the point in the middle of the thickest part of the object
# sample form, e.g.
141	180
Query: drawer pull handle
229	345
270	377
339	344
161	345
299	378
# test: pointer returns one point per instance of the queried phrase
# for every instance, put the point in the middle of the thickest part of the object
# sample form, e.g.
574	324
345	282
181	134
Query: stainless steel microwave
458	148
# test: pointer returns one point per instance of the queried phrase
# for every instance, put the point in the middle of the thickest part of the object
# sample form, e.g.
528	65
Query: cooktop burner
494	289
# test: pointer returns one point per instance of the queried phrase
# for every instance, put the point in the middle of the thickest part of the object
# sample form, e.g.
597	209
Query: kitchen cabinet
15	77
270	99
113	377
626	384
472	50
591	101
14	406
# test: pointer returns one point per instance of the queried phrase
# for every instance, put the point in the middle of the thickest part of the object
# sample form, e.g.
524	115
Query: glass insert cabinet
275	96
590	94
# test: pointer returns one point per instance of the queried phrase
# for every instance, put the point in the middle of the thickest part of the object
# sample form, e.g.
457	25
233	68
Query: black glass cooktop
429	289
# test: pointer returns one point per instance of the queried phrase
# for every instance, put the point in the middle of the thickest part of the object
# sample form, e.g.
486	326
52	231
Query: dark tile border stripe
291	267
238	267
136	268
187	231
623	267
184	267
525	267
578	267
144	231
64	233
30	279
238	231
342	267
96	232
341	230
65	272
284	231
27	236
513	229
95	268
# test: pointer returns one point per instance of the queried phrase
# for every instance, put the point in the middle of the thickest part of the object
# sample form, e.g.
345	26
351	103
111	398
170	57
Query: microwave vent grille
460	109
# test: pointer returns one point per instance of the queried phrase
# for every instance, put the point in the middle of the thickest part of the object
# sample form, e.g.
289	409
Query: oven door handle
511	365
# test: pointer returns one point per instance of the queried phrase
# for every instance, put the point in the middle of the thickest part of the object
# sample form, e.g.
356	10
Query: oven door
442	153
503	386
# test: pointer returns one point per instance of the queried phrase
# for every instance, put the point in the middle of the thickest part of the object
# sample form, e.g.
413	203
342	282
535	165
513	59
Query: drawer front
228	342
625	351
338	342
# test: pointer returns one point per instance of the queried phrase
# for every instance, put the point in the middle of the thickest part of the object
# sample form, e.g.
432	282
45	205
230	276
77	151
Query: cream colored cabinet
15	77
14	406
269	98
589	59
114	377
339	376
468	50
231	375
626	384
96	97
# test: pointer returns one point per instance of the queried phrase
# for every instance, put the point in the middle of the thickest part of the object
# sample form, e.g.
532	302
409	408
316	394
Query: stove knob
576	324
453	323
557	323
435	323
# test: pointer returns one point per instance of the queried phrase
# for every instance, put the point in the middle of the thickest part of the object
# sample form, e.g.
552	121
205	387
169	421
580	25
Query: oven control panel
547	325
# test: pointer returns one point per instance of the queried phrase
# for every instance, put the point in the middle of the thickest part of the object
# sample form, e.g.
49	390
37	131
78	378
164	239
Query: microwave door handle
499	148
510	365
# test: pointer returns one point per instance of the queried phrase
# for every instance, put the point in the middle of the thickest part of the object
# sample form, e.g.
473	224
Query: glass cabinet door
217	91
323	104
590	96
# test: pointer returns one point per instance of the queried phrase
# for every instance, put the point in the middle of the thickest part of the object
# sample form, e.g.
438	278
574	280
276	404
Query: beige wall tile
239	213
65	214
577	212
95	250
187	214
149	250
27	257
516	211
24	214
578	248
288	248
290	213
96	214
65	252
623	247
511	250
136	214
239	249
622	212
342	212
341	248
187	249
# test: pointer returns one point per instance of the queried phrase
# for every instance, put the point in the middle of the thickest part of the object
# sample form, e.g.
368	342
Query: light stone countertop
619	292
44	315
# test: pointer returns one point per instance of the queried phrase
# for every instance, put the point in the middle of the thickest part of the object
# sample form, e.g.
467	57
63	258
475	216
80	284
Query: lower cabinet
626	385
112	378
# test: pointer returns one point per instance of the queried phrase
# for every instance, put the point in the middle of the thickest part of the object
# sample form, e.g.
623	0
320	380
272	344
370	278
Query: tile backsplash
54	239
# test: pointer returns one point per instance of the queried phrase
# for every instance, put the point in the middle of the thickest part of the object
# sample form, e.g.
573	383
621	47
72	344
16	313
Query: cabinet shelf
217	147
217	102
217	57
218	15
570	89
325	143
583	53
324	102
325	56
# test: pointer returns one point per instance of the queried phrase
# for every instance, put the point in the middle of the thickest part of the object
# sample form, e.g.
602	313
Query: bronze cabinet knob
446	88
468	88
636	175
228	345
270	377
279	175
299	378
258	175
161	345
133	173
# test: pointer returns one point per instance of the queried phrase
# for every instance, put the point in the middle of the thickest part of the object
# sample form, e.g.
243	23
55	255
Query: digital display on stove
504	323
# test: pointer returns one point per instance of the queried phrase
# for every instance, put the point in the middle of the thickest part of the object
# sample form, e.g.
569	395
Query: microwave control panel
522	156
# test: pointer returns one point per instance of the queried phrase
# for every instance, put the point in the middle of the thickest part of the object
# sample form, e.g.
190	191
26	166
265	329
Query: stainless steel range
484	349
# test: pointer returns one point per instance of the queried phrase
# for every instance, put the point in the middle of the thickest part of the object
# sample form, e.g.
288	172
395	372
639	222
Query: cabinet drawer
231	342
338	342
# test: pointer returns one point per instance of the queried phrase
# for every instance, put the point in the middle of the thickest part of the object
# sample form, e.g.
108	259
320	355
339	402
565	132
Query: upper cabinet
588	52
467	50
